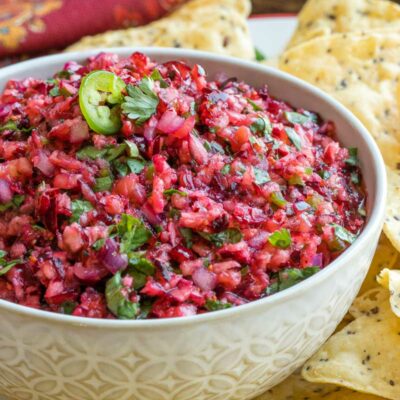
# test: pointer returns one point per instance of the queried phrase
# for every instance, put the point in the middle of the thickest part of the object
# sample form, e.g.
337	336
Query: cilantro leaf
117	303
294	138
229	236
262	125
255	106
90	152
261	176
140	268
6	266
132	232
156	76
16	201
281	239
170	192
277	199
79	207
343	234
216	305
289	277
259	55
135	165
297	118
353	157
142	102
103	184
187	235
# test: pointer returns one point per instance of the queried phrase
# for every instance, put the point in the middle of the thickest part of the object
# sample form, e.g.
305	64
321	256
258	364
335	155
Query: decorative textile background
33	26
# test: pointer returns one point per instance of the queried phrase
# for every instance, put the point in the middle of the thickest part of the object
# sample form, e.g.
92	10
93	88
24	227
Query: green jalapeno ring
98	91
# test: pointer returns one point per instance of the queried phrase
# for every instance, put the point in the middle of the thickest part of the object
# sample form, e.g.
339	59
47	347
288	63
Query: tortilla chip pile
218	26
351	49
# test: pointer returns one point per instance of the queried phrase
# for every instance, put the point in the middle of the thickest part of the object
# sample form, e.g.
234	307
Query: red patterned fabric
38	25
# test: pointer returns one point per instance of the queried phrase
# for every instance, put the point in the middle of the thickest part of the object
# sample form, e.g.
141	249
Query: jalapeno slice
99	97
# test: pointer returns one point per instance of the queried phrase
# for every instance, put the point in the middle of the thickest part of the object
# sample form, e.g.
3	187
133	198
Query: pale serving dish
234	354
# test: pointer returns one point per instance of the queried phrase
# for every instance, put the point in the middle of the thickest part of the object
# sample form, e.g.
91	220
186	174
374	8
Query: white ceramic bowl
234	354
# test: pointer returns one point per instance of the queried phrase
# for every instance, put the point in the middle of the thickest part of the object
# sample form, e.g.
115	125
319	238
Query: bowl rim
372	227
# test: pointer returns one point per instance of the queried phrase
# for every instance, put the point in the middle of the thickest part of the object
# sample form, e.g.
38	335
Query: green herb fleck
216	305
170	192
117	302
281	239
133	233
278	199
187	235
261	176
156	76
259	55
353	157
103	184
294	138
79	207
297	118
343	234
142	101
219	239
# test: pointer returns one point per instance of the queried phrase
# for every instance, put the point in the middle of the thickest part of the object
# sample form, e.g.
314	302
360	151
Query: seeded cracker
297	388
362	71
325	17
210	25
363	356
390	279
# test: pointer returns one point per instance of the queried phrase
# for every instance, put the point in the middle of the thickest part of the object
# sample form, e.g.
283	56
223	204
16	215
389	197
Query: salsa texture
132	190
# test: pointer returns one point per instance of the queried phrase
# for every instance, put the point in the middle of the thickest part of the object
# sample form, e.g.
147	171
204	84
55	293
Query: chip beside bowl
232	354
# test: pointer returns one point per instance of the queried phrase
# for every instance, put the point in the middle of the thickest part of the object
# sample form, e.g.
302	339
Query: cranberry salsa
132	190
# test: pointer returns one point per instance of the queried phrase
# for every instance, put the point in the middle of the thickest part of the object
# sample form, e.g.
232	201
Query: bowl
233	354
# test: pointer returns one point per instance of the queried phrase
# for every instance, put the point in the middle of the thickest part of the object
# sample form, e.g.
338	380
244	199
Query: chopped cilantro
16	201
261	176
289	277
294	138
79	207
5	266
187	235
226	169
136	165
142	102
297	118
170	192
255	106
216	305
68	307
277	199
133	233
219	239
103	183
98	244
343	234
281	239
156	76
259	55
117	302
353	157
90	152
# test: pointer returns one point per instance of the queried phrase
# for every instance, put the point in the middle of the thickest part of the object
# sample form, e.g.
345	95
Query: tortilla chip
385	257
321	18
369	302
364	356
297	388
210	25
363	72
390	279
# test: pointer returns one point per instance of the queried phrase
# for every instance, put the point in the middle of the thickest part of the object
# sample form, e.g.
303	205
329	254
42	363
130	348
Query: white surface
270	35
